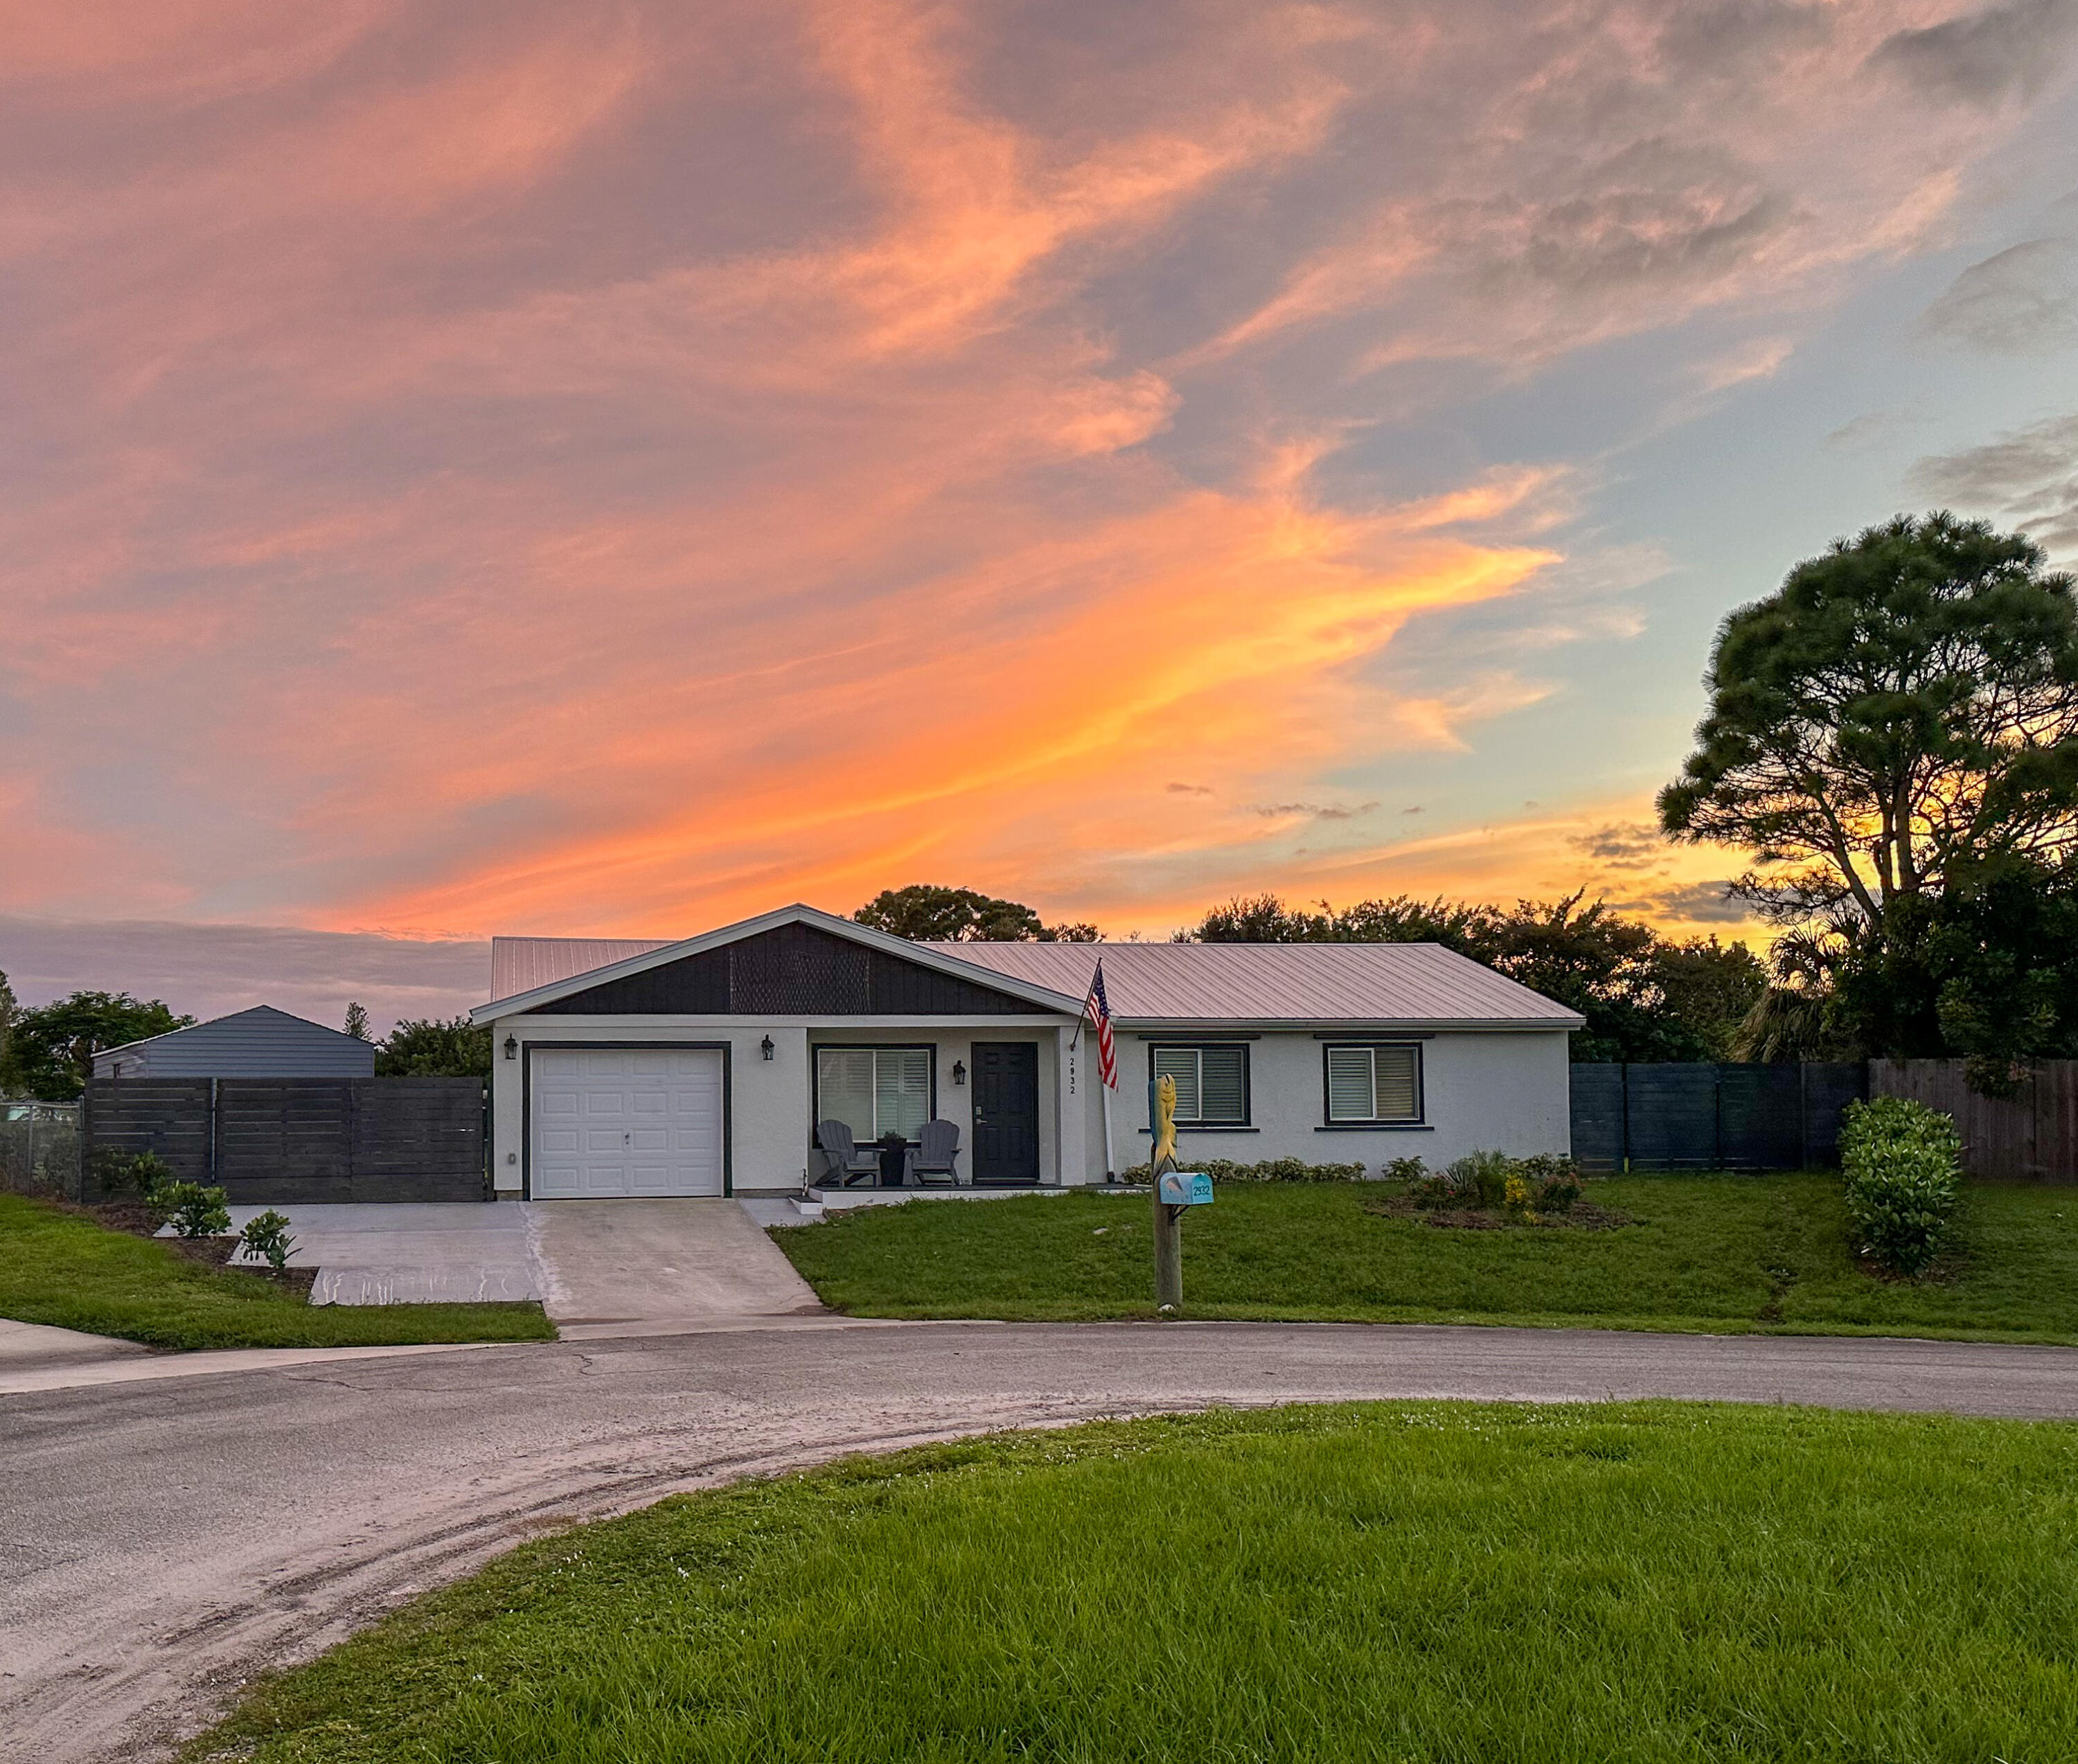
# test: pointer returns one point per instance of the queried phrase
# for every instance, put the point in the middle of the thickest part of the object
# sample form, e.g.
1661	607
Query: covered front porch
937	1107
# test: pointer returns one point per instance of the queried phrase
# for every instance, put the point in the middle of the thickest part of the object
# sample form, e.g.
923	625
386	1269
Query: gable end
791	970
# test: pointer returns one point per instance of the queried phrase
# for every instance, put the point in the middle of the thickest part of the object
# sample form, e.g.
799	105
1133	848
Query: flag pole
1111	1163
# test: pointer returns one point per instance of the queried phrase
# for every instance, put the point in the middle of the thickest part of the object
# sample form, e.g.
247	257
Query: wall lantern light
765	1047
959	1073
512	1047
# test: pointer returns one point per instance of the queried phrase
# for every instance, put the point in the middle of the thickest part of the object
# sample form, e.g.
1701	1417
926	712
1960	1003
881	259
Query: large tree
926	913
1985	971
1905	705
434	1047
50	1050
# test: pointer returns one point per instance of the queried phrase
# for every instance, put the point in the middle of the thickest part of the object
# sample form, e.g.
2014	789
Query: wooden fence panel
169	1117
1599	1142
1829	1085
2031	1137
291	1141
1760	1117
418	1139
1724	1117
1674	1116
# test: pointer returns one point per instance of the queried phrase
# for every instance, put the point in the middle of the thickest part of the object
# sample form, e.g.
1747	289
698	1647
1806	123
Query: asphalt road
160	1541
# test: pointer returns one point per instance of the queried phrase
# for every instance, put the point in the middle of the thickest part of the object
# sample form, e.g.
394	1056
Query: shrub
196	1212
144	1175
267	1236
1433	1191
1556	1181
1481	1177
1515	1196
1405	1170
1901	1160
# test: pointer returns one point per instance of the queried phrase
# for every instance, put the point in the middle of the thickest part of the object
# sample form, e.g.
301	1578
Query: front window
1380	1082
874	1090
1211	1083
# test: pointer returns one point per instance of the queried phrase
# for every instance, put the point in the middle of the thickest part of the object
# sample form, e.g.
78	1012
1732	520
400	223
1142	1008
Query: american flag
1097	1008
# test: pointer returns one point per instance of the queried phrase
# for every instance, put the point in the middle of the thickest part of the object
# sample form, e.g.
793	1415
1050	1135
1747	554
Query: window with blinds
1211	1083
874	1090
1379	1082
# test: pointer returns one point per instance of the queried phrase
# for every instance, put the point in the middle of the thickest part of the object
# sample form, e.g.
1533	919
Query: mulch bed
139	1221
1584	1217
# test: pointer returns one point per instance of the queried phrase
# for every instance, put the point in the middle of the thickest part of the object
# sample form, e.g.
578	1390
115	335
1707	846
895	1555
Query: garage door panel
627	1122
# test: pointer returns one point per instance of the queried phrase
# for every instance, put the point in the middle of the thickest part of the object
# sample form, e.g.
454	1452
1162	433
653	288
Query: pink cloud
600	470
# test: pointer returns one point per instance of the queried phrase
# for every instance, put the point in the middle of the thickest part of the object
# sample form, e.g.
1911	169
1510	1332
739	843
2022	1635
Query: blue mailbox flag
1186	1188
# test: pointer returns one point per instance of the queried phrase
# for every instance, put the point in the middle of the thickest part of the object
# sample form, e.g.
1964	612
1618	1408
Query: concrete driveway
161	1539
590	1262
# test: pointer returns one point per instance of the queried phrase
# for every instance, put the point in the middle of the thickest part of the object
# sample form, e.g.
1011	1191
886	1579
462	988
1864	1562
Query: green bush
1480	1178
1275	1169
196	1212
1901	1160
144	1175
1404	1169
267	1235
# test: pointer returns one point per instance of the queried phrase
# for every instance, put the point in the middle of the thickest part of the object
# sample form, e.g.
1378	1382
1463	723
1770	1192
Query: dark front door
1006	1111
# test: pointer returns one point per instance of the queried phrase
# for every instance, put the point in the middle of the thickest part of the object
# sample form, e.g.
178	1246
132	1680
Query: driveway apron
680	1261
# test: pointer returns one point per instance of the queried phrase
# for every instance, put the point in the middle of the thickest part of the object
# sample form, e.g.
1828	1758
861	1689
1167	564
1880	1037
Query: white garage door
626	1121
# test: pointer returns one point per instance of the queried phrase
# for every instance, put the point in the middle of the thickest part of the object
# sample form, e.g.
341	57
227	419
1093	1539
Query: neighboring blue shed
262	1043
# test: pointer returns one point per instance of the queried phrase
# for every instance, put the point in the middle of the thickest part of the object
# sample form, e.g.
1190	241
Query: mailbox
1185	1188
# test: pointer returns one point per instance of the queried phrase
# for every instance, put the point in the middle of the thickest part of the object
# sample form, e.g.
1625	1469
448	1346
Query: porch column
1067	1107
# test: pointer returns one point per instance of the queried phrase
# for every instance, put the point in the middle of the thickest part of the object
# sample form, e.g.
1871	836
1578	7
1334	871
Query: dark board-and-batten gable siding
793	970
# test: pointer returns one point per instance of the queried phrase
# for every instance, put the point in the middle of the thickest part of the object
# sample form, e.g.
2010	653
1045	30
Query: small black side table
894	1165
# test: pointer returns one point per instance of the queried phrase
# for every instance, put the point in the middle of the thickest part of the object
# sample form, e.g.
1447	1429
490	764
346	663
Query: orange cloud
609	470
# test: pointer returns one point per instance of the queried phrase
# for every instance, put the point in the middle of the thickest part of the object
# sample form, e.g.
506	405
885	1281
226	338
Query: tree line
1645	997
48	1052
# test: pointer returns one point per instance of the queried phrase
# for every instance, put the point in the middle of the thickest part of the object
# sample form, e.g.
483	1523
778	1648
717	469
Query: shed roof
260	1042
1384	983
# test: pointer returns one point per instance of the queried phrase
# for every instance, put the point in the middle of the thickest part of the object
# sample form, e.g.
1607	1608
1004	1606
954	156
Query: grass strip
1713	1253
1440	1582
63	1269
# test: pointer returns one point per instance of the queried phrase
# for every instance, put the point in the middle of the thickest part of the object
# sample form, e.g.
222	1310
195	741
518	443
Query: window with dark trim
1211	1081
877	1090
1371	1083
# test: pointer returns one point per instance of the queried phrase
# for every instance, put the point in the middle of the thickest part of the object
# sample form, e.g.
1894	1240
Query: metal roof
1384	983
520	964
1409	984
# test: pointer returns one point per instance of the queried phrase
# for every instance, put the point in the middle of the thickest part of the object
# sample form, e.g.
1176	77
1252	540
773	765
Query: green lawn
1715	1252
1438	1582
63	1268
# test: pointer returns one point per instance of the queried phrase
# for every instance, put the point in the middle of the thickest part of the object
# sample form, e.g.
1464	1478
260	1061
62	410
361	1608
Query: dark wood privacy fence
2031	1137
1679	1116
281	1141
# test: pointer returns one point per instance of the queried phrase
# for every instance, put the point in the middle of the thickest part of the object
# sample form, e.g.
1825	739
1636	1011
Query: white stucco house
702	1066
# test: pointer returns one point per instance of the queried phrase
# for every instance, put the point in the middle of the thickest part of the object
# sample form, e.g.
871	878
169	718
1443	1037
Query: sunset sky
615	469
